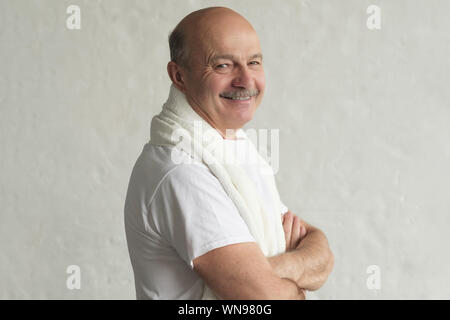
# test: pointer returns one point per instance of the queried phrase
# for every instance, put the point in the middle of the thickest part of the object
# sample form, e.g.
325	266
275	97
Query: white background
364	126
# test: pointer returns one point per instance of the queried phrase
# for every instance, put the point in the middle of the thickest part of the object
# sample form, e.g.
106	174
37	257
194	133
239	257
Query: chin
244	117
239	113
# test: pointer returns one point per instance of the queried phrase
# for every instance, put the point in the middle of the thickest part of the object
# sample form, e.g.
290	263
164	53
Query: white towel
176	119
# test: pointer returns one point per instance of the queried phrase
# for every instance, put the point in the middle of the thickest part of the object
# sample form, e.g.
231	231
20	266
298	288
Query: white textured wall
364	125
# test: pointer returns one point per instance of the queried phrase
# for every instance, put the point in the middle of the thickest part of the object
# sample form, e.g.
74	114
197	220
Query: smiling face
225	81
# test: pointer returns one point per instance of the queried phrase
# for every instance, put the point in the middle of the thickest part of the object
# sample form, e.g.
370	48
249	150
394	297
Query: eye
221	66
254	62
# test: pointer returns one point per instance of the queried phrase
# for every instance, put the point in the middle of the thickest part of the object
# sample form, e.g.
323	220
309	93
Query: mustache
240	93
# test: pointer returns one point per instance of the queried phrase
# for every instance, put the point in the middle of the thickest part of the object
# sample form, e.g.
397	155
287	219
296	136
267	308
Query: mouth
238	100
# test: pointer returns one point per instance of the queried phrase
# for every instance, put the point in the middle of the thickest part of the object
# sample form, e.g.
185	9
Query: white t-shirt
176	212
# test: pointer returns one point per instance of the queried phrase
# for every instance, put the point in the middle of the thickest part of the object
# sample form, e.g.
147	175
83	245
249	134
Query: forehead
229	44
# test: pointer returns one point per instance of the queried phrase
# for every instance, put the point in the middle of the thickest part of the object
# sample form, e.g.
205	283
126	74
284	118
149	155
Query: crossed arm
308	259
241	271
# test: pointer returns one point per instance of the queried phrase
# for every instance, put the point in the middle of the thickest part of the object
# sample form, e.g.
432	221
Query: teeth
241	98
238	98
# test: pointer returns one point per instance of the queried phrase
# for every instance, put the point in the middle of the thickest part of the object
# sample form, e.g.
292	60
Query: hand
294	230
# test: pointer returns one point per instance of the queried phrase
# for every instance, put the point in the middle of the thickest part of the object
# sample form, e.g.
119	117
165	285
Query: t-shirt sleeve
194	214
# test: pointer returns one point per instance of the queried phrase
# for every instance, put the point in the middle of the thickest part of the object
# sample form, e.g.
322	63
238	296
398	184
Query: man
187	228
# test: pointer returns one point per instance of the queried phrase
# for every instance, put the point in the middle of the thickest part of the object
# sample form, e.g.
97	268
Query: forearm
317	258
309	264
288	265
289	291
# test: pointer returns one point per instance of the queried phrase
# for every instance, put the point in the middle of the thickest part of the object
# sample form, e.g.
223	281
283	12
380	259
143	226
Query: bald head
200	28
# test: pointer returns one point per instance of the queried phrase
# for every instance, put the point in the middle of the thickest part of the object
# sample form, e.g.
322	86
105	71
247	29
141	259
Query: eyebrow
231	57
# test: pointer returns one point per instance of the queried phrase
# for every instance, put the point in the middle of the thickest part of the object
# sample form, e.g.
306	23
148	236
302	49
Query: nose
242	78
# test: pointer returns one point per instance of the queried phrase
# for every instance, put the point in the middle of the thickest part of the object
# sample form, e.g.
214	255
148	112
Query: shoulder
166	169
155	163
189	180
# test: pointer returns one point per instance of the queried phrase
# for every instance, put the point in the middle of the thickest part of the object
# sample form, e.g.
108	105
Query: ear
176	74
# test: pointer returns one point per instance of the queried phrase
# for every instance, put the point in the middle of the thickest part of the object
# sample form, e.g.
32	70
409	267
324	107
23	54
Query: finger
287	227
302	232
295	233
302	294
